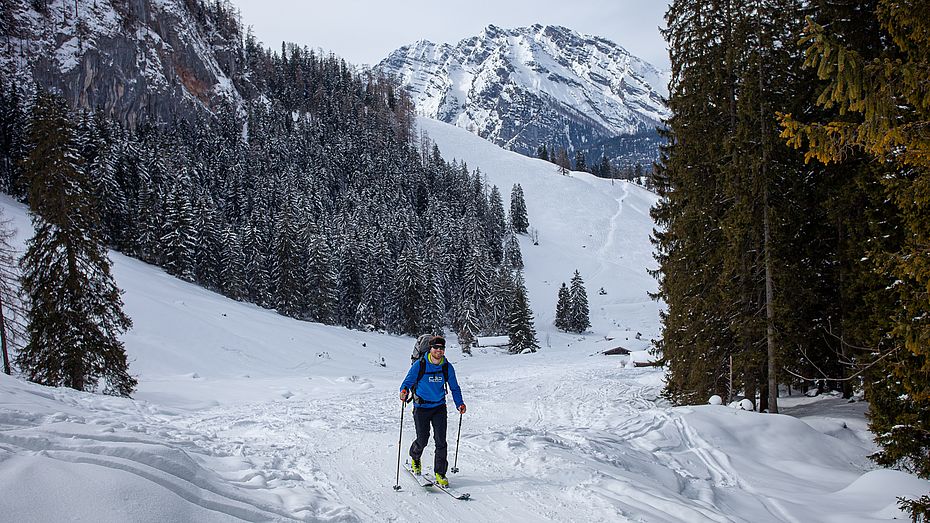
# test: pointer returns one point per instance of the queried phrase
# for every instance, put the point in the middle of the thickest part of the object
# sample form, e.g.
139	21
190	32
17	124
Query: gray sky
365	31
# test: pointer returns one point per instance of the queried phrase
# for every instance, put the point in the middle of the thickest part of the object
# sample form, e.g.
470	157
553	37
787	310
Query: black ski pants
422	419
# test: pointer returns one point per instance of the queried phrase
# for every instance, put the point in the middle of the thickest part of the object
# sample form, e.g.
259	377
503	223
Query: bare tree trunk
767	243
3	345
769	307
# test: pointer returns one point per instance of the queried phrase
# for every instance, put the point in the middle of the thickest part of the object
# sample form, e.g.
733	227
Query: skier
426	381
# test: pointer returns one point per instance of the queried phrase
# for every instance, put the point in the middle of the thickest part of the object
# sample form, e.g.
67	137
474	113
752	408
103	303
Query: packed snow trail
583	439
565	436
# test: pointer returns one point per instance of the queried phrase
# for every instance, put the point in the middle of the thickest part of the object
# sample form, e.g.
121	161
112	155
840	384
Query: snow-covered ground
242	414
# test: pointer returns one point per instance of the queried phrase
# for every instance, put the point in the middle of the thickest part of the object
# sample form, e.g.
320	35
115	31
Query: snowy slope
244	415
598	227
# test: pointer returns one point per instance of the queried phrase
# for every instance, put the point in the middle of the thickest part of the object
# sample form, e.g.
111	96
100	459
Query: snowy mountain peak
529	86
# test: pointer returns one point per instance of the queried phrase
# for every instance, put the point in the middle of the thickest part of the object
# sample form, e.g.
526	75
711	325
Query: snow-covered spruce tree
75	311
502	290
96	144
372	310
578	316
131	166
433	307
209	248
497	225
520	329
179	241
322	279
477	289
148	211
232	265
563	308
288	261
256	276
468	327
513	258
349	266
518	219
409	293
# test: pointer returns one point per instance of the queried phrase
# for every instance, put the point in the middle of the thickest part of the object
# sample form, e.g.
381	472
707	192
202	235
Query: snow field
245	415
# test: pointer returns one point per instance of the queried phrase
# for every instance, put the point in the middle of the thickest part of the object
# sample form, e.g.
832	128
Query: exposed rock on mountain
132	59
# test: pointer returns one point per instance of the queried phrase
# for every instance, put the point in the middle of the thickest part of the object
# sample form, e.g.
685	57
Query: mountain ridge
530	86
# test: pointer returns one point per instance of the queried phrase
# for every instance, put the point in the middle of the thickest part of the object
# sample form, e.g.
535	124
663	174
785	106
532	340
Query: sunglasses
438	347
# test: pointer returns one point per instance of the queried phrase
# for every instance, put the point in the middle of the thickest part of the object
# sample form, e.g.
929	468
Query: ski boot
415	466
441	480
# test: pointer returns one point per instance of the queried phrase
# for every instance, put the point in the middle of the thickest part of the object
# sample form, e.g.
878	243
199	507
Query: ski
448	490
422	480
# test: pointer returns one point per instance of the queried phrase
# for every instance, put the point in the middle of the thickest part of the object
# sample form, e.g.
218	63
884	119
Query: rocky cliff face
522	88
132	59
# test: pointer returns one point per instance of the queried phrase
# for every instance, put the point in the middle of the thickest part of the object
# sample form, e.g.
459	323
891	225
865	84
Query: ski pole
400	439
456	462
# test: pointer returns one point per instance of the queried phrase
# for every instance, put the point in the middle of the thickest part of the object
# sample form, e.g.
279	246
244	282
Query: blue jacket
431	388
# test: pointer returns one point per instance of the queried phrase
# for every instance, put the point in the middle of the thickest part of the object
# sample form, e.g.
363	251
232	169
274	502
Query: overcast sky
365	31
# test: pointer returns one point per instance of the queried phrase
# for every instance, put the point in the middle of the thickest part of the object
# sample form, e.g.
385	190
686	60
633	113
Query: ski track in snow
596	444
606	249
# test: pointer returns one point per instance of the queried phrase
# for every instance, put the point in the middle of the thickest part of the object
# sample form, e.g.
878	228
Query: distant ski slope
599	227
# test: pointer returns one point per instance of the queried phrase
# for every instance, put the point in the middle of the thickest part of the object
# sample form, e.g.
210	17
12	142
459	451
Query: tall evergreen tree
322	279
179	241
497	225
373	310
208	251
476	290
255	266
695	334
288	274
733	204
232	266
468	327
578	316
75	310
563	309
410	293
513	258
520	327
518	218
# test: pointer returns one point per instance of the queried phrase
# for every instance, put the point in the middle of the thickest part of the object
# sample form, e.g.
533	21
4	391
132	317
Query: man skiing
426	381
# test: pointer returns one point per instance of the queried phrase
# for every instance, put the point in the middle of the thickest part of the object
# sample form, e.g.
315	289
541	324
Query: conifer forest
795	215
